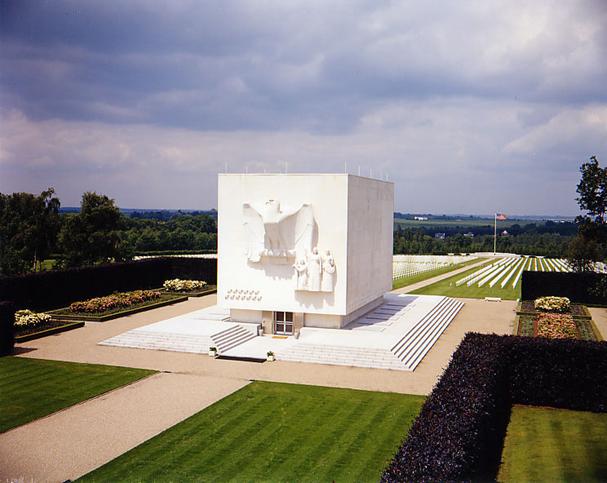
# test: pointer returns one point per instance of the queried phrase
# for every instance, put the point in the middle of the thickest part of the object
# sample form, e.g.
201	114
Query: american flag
500	217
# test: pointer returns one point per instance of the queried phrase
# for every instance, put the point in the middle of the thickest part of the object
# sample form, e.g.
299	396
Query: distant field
474	222
509	275
419	277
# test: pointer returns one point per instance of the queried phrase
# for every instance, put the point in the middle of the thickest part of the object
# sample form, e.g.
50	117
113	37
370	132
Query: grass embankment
448	288
546	444
275	432
420	277
33	388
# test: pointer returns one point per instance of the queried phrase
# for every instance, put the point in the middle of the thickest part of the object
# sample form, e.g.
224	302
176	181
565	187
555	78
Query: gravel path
76	440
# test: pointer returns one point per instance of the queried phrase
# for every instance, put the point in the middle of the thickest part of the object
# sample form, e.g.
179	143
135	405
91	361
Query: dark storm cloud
428	91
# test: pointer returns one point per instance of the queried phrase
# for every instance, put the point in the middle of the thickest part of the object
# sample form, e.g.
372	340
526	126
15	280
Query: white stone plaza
304	269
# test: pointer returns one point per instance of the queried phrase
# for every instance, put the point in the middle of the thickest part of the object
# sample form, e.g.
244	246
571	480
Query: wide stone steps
141	339
230	338
341	356
416	343
405	355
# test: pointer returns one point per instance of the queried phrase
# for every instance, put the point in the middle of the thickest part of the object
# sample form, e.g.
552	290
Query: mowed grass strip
547	444
420	277
275	432
448	288
33	388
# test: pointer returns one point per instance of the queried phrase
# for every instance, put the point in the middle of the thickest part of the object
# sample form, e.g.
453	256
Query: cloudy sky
468	106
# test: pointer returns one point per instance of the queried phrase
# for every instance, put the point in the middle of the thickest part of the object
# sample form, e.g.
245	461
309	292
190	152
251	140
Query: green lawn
447	287
32	388
404	281
275	432
545	444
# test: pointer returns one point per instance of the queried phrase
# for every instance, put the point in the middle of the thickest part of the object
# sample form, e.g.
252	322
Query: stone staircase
416	343
226	339
404	355
342	356
230	338
168	341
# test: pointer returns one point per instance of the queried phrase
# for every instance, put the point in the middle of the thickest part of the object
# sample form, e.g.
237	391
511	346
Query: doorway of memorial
283	323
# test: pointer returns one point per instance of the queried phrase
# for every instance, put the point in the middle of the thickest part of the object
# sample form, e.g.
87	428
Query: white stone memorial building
303	250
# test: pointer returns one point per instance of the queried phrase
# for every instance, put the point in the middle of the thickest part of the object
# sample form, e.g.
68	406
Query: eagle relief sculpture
276	233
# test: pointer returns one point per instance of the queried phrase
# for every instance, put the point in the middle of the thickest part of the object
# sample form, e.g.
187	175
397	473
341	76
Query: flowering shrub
27	318
553	304
556	326
114	301
178	285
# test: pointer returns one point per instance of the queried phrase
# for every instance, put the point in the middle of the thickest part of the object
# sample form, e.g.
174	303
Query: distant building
420	218
505	233
469	235
440	236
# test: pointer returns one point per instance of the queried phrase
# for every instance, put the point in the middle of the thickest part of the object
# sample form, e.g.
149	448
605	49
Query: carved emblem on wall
273	232
315	273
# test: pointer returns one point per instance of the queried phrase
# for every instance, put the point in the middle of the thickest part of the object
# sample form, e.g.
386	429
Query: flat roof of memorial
308	174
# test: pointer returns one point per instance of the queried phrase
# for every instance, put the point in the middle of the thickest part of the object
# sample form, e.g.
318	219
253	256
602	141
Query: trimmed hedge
58	288
460	430
7	327
569	374
575	286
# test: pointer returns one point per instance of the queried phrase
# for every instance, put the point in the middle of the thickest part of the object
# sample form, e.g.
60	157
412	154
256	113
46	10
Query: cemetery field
498	278
547	444
33	388
418	276
274	431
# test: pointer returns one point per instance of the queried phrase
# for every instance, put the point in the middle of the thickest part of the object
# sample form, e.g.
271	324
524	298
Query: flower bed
178	285
576	310
114	301
556	326
113	310
553	304
32	325
526	325
28	318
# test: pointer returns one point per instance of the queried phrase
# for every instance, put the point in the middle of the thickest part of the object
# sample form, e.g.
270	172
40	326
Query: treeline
196	232
420	241
566	229
32	231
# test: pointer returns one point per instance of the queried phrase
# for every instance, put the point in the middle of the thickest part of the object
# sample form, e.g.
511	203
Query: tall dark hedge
576	286
7	323
460	428
570	374
57	288
459	432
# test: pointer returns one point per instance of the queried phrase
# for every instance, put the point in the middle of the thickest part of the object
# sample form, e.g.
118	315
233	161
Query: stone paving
395	335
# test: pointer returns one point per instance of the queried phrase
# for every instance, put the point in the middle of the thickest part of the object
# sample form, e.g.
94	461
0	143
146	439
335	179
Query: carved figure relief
273	232
314	270
328	273
315	274
301	268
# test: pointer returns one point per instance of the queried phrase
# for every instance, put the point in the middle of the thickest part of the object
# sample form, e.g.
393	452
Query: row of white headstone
410	265
510	270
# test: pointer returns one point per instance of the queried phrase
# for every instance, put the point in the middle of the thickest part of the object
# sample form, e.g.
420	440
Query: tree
582	254
589	245
93	235
592	189
28	230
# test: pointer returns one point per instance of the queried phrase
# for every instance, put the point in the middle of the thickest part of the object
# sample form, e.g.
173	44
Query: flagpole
494	234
